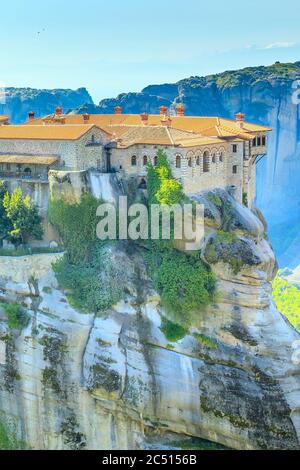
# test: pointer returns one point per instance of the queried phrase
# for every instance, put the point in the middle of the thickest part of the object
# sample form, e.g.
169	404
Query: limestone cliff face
19	101
73	380
265	95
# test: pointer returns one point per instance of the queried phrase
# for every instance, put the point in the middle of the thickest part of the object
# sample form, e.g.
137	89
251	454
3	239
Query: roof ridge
170	137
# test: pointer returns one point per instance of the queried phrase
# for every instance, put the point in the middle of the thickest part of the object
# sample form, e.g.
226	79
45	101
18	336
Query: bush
172	331
184	282
17	317
94	286
206	341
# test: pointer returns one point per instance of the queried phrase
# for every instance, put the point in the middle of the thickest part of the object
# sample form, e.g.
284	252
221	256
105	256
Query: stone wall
194	179
80	154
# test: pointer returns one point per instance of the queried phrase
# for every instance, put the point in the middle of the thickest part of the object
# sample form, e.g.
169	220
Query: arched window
190	162
213	158
155	161
145	160
206	162
221	157
133	160
198	161
178	161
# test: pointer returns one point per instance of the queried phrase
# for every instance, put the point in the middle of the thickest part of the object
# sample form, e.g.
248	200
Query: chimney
58	111
240	118
180	109
118	110
31	116
144	118
86	118
163	110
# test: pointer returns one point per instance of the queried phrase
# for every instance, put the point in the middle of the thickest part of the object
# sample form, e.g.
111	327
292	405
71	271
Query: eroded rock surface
73	380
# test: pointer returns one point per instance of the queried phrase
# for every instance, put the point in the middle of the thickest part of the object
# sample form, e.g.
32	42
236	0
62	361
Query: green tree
23	217
162	187
5	224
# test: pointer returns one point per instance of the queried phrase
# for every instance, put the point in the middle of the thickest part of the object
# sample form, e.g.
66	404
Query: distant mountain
19	101
264	94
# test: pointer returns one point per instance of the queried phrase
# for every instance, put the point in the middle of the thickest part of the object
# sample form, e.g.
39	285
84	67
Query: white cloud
279	45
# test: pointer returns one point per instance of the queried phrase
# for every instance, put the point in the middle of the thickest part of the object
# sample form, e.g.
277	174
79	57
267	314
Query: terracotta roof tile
157	135
29	159
189	123
44	132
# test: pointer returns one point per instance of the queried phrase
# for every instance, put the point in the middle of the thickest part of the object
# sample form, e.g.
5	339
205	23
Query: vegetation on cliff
92	280
253	75
287	299
8	442
16	315
183	281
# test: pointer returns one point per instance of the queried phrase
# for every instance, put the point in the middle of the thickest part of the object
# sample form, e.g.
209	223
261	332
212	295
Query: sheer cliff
265	95
116	381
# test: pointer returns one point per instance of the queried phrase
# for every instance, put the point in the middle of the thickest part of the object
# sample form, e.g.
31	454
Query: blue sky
118	46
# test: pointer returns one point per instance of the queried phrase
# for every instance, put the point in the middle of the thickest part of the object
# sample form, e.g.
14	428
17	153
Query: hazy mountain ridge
18	102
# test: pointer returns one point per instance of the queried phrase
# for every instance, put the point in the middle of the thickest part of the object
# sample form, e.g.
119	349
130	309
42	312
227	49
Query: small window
234	148
155	161
190	162
93	138
198	161
258	141
178	161
133	160
8	167
221	157
206	162
254	142
143	184
234	169
213	158
145	160
263	140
